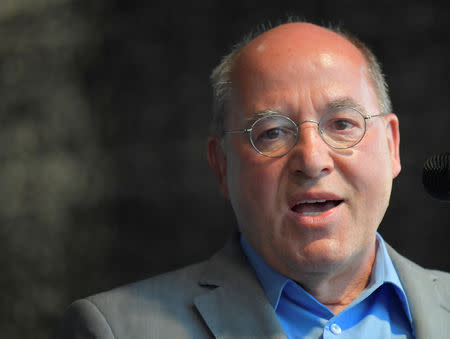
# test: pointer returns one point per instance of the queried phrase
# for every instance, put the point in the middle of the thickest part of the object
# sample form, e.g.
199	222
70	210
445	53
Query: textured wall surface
104	115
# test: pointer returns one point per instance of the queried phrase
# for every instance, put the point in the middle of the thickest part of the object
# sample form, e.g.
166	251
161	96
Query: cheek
253	184
378	163
371	175
259	180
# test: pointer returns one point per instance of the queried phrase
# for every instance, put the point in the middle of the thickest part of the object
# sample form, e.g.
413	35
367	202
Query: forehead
297	57
290	42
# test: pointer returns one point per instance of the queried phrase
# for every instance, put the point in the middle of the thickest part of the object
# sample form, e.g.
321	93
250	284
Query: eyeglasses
274	135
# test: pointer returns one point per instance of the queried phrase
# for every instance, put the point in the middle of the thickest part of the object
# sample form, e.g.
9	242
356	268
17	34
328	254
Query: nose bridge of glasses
304	124
306	121
302	136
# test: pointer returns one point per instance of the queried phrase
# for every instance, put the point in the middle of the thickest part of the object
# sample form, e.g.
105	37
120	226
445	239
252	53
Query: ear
218	162
393	137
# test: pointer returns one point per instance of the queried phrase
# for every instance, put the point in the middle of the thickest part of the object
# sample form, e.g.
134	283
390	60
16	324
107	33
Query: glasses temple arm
246	130
366	117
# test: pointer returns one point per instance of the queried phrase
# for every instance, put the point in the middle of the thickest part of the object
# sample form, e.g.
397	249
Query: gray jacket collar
236	305
428	297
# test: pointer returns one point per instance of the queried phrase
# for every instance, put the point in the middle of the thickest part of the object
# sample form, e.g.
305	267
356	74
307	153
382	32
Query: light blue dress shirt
380	311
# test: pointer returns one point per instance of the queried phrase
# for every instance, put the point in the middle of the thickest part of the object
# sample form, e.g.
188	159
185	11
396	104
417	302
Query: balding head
298	38
293	52
275	45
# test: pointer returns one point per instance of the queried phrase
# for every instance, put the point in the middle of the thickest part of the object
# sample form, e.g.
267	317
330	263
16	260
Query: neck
337	290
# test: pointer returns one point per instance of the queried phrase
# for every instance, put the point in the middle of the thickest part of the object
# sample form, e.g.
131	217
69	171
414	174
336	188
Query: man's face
299	70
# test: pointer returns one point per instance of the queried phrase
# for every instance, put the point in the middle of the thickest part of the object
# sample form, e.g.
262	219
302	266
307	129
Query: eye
275	134
342	121
341	125
271	134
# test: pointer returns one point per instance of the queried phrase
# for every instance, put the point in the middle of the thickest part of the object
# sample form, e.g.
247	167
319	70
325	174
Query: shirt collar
273	282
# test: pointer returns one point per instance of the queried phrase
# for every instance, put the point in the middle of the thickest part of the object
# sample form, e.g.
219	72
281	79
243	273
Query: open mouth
314	207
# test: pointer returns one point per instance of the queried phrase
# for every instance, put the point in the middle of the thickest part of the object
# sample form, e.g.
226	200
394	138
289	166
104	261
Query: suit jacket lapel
429	309
236	305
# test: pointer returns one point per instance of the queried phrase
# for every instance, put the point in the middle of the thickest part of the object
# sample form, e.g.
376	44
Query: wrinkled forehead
293	47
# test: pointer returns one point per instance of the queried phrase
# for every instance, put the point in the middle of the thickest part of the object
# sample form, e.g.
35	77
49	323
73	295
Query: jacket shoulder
183	280
156	307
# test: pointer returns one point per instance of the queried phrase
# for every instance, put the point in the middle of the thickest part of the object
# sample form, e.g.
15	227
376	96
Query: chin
321	256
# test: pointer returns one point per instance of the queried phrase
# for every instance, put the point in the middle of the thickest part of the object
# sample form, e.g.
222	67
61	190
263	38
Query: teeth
312	214
309	202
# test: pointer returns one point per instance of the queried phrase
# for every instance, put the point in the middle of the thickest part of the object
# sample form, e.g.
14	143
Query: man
306	148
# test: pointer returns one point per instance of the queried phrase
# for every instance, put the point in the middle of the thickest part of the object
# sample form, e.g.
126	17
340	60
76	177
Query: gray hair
221	76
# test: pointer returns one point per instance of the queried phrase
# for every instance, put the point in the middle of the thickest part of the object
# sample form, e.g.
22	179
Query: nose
311	156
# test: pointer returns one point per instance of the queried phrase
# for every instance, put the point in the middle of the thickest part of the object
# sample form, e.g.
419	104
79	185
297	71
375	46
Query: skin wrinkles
330	256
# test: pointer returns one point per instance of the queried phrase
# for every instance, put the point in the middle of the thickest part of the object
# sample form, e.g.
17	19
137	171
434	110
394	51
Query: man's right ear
218	162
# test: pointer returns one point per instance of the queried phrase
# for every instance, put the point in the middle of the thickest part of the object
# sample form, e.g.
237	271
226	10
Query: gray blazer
222	298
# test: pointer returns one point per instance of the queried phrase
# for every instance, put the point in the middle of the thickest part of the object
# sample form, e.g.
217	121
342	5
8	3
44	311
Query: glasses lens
343	127
273	136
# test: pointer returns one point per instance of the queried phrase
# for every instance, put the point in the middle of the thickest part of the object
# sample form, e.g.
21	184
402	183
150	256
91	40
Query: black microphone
436	176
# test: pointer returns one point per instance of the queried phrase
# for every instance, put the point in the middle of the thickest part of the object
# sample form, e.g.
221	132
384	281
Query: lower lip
322	220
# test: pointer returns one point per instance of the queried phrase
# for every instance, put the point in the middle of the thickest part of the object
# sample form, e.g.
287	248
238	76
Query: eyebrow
344	103
261	114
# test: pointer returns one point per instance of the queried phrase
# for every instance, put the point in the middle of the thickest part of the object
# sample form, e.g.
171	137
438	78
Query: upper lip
312	197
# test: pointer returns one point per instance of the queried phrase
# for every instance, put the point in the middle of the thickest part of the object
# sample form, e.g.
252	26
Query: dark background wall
104	115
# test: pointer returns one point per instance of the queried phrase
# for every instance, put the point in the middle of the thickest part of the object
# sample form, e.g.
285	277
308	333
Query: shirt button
335	329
